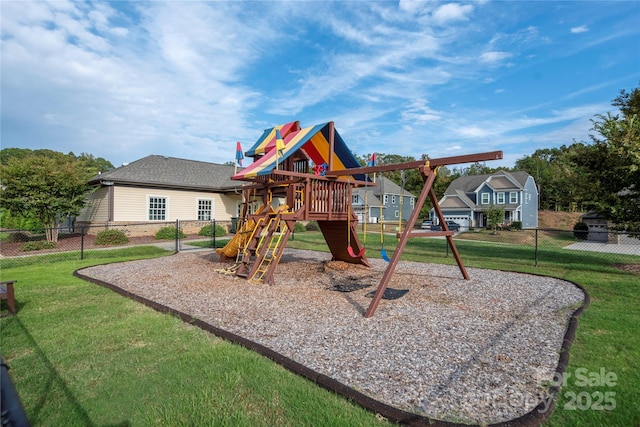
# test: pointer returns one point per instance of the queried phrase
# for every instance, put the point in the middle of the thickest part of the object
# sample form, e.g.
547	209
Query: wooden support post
429	176
331	145
443	224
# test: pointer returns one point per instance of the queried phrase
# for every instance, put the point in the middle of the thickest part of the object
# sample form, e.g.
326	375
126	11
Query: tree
46	187
495	217
611	163
558	181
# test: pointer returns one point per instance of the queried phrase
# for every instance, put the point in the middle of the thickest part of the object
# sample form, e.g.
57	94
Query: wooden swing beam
427	169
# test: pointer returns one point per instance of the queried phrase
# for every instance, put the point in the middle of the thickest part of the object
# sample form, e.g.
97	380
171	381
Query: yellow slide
231	249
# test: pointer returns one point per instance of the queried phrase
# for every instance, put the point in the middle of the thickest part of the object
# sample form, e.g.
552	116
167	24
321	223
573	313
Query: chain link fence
19	247
542	245
534	247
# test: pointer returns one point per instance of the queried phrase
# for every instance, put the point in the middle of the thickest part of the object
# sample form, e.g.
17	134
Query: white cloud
494	56
473	132
124	80
418	113
580	29
452	12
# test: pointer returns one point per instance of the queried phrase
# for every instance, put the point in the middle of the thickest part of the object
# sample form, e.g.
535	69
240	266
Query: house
467	198
158	189
382	203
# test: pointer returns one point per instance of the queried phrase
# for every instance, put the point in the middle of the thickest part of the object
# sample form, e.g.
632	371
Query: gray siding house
467	197
158	189
386	202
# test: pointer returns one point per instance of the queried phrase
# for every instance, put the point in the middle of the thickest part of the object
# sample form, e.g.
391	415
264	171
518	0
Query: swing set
282	181
428	170
383	251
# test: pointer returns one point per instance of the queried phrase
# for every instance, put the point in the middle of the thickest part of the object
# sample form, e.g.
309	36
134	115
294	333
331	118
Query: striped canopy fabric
268	139
314	140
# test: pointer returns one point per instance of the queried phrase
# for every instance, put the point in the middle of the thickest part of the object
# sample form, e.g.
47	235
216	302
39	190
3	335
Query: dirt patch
558	220
632	268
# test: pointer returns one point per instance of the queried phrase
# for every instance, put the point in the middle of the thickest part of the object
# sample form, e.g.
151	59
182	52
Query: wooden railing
320	199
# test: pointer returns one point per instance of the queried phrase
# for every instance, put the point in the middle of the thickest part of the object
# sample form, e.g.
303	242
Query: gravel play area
477	351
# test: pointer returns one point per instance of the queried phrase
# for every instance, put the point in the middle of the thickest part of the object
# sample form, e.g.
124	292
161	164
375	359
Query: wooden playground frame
326	198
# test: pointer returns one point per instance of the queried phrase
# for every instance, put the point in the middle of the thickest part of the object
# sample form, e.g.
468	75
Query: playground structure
304	174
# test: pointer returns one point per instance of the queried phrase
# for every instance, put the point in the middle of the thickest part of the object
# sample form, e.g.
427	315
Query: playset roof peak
321	144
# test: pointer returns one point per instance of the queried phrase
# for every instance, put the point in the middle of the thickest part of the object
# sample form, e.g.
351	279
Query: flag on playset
279	142
372	160
239	155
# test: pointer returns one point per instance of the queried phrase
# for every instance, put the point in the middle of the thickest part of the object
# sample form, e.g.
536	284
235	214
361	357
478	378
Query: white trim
211	208
166	207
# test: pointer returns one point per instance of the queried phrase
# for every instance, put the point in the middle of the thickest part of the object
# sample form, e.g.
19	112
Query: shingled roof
385	186
470	183
171	172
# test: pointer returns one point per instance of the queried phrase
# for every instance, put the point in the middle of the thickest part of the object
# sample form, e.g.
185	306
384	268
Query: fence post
536	257
213	227
82	244
177	235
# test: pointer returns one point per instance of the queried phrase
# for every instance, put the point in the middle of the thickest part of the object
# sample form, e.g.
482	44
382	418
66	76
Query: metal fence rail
18	246
535	246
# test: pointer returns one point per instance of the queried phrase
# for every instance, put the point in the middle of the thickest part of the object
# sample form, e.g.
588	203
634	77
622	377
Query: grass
82	355
220	242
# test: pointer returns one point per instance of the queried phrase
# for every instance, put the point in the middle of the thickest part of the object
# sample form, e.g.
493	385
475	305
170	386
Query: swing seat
353	254
384	255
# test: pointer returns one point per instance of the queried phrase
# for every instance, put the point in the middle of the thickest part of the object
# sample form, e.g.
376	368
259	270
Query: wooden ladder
248	252
269	250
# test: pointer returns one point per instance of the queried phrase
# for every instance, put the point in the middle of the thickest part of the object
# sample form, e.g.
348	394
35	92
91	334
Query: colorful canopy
314	140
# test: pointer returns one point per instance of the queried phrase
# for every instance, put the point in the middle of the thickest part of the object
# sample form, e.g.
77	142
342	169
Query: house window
513	197
393	199
157	208
204	209
412	201
354	199
500	198
396	214
484	198
385	199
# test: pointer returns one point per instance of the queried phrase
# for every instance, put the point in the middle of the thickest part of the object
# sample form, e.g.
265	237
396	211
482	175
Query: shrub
111	237
207	230
299	228
16	237
581	231
313	226
37	245
516	225
8	220
169	233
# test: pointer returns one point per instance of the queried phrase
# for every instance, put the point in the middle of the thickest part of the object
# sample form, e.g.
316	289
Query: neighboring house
158	189
467	198
598	227
603	231
368	202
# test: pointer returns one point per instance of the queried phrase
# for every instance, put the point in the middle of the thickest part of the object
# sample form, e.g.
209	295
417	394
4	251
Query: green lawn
83	355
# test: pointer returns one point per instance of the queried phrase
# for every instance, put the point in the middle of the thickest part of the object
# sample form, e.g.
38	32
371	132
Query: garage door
462	220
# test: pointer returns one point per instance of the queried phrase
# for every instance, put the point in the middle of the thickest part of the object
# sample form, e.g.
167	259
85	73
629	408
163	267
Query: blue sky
123	80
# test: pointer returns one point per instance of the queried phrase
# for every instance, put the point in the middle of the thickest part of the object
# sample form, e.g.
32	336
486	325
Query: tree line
602	175
39	188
